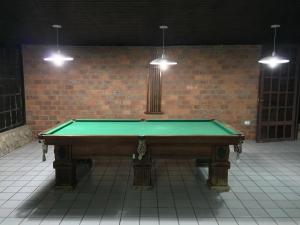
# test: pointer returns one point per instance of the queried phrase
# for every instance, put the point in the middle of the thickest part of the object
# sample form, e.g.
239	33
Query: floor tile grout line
189	195
156	194
76	191
248	171
262	207
100	219
125	194
227	207
171	188
192	168
90	200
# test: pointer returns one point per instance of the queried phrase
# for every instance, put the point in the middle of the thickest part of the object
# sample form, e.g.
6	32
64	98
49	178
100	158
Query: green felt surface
142	128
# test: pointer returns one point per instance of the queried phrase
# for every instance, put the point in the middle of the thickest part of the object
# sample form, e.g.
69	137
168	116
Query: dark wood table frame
212	149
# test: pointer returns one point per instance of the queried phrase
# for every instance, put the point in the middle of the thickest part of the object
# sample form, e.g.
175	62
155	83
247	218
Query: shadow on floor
107	192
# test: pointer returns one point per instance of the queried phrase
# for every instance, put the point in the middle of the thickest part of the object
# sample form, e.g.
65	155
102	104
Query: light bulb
58	59
273	65
163	65
273	61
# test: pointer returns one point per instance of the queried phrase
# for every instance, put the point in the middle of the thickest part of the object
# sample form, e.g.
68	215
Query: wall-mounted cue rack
154	90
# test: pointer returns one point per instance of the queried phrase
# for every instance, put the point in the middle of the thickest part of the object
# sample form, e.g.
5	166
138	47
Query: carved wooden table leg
142	173
218	169
65	167
142	166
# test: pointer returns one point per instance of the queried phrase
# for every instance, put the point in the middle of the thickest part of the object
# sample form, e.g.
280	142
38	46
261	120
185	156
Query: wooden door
277	102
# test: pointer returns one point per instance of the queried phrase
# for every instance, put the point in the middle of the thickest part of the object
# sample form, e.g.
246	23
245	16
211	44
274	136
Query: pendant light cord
163	35
57	39
274	46
57	27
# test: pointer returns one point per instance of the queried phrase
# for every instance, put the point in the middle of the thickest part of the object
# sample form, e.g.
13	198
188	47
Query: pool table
142	140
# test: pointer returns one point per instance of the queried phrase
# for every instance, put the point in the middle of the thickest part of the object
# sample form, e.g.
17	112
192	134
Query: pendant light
57	58
274	60
163	63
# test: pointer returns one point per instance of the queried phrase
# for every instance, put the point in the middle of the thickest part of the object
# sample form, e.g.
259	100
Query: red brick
218	82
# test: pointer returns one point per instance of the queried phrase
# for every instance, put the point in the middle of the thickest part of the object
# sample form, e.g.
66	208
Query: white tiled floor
265	189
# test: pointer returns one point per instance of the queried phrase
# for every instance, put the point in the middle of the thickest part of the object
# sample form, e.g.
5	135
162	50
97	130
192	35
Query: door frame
294	132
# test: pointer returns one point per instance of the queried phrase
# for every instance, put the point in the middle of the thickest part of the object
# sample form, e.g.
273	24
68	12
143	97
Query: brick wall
110	82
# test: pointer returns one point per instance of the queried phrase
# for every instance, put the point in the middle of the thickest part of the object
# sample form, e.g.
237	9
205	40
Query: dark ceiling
135	22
